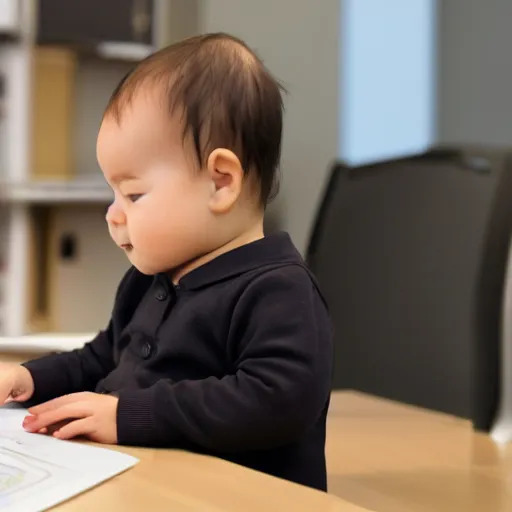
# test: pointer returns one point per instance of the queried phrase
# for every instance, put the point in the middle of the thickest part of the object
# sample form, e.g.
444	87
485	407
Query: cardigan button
161	295
146	350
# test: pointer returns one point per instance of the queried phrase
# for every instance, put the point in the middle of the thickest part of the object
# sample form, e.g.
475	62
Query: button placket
152	315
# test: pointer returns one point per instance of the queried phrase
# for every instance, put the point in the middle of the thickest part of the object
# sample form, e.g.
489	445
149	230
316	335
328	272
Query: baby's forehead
145	119
142	133
147	105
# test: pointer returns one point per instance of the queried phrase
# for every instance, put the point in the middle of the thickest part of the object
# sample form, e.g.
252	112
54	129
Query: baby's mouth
127	247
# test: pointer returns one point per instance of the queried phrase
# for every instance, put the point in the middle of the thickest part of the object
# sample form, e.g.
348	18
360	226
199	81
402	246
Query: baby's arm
78	370
70	372
277	391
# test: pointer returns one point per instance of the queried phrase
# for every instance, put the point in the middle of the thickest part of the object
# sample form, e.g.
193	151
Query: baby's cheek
147	233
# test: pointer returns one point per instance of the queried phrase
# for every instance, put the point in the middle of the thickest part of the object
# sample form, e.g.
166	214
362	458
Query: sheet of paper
38	472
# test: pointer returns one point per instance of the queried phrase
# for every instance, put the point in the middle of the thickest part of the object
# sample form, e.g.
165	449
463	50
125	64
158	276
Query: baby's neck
255	232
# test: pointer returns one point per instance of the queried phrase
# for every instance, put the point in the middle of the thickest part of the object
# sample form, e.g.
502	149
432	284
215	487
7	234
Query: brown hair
228	98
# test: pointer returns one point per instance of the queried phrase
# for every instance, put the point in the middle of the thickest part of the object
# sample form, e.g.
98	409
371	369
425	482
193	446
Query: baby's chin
146	266
141	264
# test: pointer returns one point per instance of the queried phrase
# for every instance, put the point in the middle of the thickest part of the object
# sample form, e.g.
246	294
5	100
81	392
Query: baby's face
160	215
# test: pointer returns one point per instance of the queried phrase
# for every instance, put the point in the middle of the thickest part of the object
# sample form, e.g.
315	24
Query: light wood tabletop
391	457
382	456
166	480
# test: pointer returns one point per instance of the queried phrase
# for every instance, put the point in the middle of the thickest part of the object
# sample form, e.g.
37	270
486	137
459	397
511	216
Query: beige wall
95	81
85	287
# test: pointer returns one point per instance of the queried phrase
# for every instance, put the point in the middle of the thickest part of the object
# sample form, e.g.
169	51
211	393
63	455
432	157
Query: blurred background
369	82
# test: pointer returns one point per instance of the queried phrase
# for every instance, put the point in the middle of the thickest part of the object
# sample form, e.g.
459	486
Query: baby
219	340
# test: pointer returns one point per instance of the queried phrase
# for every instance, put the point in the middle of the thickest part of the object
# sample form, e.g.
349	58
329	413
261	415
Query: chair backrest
411	256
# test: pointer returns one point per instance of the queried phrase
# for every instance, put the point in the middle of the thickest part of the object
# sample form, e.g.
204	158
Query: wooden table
390	457
170	480
382	457
167	480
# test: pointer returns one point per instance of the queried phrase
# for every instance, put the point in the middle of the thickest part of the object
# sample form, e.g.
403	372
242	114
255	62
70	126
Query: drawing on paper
19	472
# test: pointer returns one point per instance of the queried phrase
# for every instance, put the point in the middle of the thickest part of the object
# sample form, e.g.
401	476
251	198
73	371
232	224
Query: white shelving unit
19	193
15	59
9	17
53	192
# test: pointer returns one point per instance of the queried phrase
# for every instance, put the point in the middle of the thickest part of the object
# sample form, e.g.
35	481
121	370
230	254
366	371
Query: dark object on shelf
412	255
68	247
90	22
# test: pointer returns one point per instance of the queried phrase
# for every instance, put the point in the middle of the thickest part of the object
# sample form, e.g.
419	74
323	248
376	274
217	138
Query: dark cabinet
90	22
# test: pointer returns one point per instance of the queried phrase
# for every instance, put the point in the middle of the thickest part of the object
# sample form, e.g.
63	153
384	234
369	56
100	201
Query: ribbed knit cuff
48	383
135	418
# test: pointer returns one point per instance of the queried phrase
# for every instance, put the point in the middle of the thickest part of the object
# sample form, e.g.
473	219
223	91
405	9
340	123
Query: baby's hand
16	383
80	414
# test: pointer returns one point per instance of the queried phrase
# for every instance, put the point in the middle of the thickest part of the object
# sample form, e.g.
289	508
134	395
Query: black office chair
412	257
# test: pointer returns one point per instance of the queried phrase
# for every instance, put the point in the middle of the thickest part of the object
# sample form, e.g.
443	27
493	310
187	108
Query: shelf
9	19
107	51
44	343
75	191
124	51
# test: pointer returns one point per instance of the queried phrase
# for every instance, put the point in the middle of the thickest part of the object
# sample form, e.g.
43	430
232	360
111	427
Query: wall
84	288
299	42
95	82
475	78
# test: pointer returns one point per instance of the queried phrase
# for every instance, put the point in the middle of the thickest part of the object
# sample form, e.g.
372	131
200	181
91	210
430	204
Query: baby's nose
115	214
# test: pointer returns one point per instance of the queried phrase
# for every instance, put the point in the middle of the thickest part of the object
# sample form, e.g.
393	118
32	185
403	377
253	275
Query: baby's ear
226	175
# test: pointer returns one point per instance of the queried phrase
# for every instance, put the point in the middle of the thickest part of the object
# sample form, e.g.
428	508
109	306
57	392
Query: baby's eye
134	197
